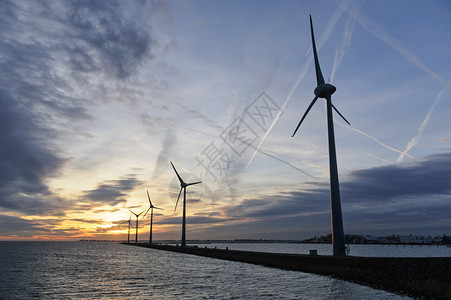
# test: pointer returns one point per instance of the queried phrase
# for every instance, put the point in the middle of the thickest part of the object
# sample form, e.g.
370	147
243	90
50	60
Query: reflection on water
113	271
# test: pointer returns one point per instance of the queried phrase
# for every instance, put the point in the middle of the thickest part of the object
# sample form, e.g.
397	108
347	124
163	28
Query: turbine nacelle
324	90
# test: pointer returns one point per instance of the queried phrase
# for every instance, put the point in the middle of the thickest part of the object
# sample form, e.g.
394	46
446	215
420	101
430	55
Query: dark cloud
26	161
101	37
13	226
112	192
405	198
192	220
48	51
427	177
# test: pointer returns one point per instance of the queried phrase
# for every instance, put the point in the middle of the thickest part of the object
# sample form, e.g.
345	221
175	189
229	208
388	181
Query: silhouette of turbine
136	229
325	90
183	186
151	207
129	224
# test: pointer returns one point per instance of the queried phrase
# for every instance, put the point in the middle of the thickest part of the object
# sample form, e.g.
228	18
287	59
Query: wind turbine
129	224
136	230
325	90
151	207
183	186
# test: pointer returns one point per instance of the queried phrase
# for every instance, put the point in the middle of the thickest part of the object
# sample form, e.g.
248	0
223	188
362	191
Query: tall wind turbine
151	207
325	90
183	186
136	229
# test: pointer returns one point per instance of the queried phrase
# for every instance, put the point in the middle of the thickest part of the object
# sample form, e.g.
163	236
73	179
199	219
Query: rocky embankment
425	278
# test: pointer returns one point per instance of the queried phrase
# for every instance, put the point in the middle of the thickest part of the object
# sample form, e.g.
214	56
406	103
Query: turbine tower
325	90
151	207
129	224
136	229
183	186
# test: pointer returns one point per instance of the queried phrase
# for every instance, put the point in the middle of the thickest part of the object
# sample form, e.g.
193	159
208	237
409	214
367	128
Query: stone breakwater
425	278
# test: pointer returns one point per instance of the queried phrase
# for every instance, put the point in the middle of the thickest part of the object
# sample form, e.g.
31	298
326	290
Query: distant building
371	239
415	239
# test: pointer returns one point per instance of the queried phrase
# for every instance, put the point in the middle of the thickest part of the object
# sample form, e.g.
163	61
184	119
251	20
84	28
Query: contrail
379	158
414	141
288	164
324	37
278	159
344	46
290	94
392	42
409	56
213	123
374	139
200	116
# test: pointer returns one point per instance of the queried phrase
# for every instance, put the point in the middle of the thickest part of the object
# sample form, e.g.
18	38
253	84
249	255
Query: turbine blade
146	212
340	114
133	213
148	197
305	114
158	208
180	178
319	75
176	203
193	183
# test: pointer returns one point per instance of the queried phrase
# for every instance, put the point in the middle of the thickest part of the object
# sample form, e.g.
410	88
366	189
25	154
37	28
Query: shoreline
426	278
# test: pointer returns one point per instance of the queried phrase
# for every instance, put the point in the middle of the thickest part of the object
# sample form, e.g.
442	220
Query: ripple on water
98	270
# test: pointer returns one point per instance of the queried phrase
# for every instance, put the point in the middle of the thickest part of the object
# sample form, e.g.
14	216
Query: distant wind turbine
183	186
325	90
129	224
136	229
151	207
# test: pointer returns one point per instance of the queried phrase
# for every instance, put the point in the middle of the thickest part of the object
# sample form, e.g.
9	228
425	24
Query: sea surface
108	270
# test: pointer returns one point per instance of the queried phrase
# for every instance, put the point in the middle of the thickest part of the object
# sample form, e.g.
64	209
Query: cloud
112	192
51	54
102	37
425	177
193	220
162	163
412	197
10	226
25	160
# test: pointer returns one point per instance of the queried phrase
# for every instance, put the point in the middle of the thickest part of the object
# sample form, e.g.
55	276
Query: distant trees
391	239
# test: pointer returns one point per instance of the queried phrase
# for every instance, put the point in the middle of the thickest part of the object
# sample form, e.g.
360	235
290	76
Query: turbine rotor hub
324	90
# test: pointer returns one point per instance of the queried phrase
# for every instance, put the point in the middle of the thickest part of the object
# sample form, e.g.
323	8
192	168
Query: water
326	249
105	270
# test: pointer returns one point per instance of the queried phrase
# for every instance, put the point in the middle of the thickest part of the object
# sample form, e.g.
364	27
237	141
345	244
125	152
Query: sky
97	97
